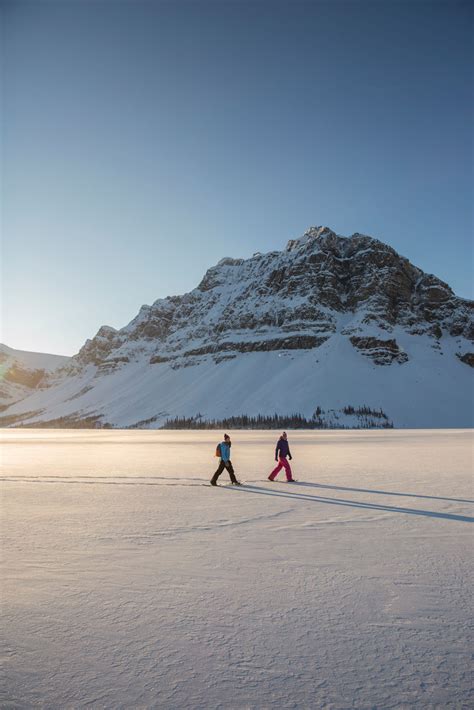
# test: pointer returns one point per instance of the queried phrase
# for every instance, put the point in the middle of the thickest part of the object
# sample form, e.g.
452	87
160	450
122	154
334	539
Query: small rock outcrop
381	352
467	358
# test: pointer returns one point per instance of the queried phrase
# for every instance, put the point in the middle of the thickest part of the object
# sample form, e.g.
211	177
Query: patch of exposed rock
467	358
381	352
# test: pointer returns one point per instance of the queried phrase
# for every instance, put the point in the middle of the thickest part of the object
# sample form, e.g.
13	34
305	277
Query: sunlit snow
129	583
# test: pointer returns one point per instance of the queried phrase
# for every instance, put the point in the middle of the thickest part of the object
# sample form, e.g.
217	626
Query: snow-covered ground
129	584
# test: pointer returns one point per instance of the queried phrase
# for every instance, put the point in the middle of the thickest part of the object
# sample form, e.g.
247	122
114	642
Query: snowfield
127	583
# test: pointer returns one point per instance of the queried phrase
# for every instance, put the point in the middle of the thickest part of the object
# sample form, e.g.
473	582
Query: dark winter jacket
282	448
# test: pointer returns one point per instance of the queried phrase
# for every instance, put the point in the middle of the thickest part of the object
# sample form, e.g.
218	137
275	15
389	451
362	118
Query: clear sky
143	141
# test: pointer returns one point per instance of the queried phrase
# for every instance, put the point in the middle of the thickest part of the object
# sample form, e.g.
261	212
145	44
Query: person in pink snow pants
282	451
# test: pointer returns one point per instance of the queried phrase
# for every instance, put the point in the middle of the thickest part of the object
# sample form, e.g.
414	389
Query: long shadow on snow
385	493
351	503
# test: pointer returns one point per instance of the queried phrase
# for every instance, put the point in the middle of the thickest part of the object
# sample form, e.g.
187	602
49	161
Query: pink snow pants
282	463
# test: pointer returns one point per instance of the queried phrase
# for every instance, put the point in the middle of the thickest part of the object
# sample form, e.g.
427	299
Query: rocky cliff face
292	300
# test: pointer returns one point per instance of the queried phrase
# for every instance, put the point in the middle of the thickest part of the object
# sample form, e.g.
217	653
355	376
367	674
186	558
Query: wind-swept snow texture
128	584
328	322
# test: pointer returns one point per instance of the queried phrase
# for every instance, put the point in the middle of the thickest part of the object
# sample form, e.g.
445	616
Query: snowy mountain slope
22	372
330	321
31	361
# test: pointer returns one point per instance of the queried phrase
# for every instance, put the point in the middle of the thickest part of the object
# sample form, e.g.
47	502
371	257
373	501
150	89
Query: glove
290	457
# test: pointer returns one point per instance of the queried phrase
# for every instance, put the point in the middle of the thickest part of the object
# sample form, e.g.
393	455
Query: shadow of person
249	489
385	493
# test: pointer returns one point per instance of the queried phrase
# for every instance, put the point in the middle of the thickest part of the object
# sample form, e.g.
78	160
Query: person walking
281	452
223	450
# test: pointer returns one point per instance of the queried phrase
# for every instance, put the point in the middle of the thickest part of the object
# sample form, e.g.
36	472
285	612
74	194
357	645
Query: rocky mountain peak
313	237
291	299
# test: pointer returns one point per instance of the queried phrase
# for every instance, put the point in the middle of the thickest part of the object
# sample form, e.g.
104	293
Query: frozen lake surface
126	583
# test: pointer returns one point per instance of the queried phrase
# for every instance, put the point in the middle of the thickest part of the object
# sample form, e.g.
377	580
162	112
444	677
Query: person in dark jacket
282	451
225	462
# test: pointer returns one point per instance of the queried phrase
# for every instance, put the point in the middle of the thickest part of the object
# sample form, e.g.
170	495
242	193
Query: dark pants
222	466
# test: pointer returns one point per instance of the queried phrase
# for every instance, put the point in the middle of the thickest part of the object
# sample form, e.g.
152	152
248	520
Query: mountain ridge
350	300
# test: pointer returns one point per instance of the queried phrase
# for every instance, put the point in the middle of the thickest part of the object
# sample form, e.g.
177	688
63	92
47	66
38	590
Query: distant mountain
23	372
331	322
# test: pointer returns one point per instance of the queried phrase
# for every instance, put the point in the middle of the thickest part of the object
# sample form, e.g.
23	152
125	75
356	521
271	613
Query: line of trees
368	419
365	411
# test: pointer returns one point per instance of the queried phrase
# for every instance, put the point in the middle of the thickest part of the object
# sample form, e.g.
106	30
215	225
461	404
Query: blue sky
143	141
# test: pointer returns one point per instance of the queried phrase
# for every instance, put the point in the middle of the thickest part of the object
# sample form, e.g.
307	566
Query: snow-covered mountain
22	372
329	322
